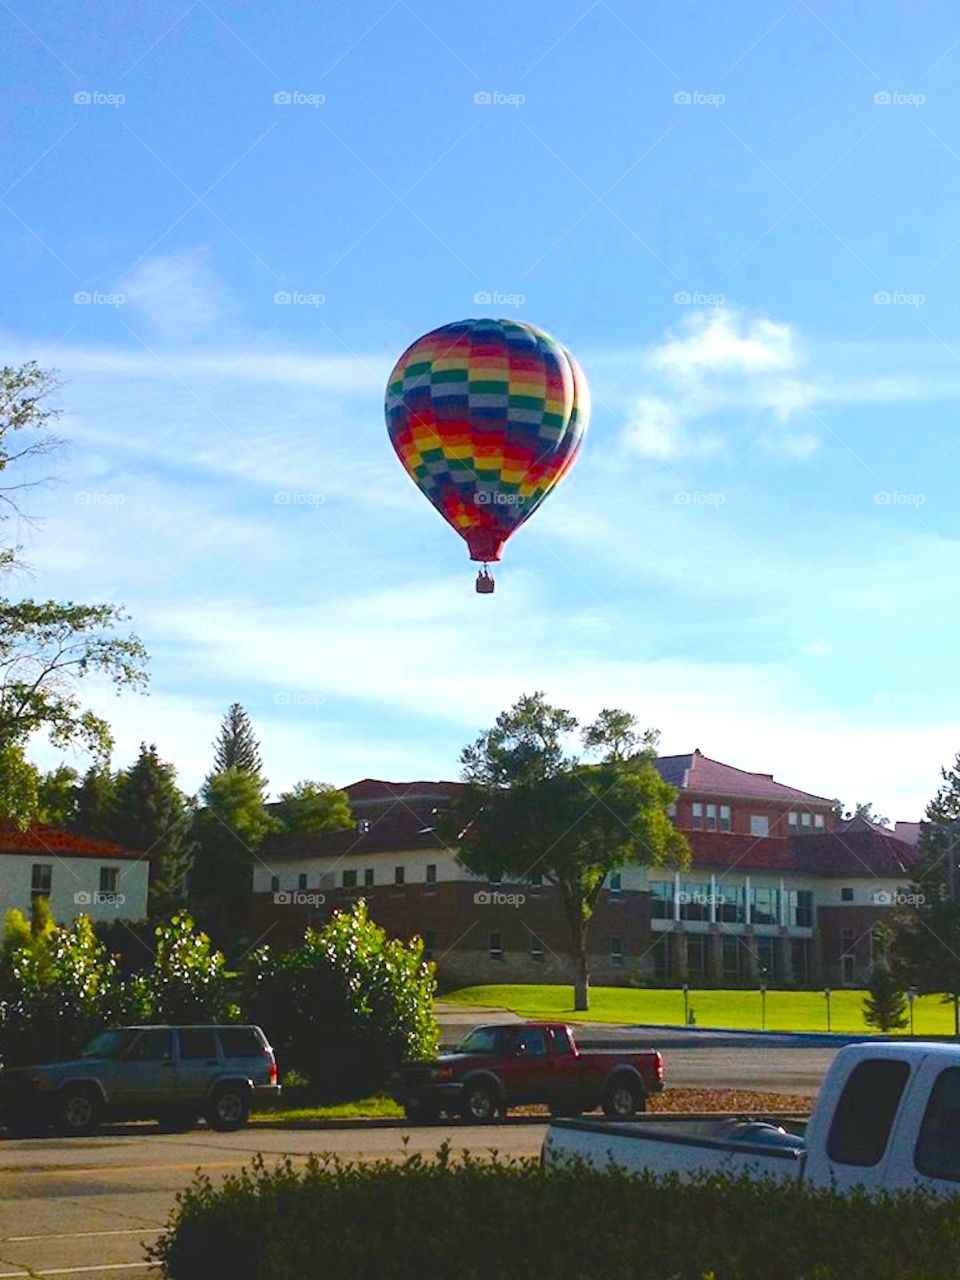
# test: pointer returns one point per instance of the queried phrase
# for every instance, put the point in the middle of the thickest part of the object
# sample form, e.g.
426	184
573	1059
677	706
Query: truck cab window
561	1041
938	1146
866	1110
533	1043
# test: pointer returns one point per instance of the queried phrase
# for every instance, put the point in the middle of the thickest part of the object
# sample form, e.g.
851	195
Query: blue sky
742	221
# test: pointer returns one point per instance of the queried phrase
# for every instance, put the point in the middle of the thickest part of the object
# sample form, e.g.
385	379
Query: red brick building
777	891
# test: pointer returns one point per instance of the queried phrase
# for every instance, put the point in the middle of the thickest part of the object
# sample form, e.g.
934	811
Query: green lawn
379	1106
786	1010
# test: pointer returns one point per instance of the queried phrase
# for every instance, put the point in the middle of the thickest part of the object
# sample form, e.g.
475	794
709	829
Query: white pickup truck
887	1117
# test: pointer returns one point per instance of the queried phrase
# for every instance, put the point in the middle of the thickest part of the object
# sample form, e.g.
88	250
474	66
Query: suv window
197	1042
241	1042
938	1146
561	1040
866	1110
533	1043
152	1046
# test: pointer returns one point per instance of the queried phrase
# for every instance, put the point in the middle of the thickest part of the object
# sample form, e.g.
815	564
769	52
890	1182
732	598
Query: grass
378	1107
785	1010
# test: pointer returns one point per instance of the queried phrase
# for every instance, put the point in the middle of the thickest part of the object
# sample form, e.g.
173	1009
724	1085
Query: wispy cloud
177	293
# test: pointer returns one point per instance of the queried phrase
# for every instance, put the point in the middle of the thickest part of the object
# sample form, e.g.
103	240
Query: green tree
151	814
313	806
347	1006
25	435
19	788
46	650
57	796
188	980
529	811
864	809
229	829
885	1004
236	747
93	812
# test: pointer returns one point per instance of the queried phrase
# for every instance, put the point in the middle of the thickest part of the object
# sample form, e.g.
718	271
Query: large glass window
695	902
661	899
731	903
765	908
800	959
938	1146
731	956
696	815
696	957
661	958
866	1111
768	959
711	817
759	824
724	817
800	908
616	951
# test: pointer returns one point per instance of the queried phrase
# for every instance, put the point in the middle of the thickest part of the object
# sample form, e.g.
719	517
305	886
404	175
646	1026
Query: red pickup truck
504	1066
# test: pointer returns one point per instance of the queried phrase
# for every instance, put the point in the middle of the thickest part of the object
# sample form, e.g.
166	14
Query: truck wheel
229	1108
78	1112
623	1099
480	1104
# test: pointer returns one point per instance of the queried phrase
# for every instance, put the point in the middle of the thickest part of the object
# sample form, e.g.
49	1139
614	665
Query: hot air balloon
486	416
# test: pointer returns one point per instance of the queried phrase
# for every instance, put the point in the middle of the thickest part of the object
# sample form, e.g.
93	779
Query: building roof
908	831
40	839
376	790
849	854
697	772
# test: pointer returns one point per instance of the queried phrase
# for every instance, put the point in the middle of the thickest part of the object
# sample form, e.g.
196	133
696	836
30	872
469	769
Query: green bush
480	1220
347	1006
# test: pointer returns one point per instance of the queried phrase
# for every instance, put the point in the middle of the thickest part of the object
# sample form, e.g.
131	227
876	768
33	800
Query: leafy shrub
345	1007
58	986
188	980
482	1220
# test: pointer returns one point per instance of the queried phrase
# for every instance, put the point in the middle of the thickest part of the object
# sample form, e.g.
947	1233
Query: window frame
37	890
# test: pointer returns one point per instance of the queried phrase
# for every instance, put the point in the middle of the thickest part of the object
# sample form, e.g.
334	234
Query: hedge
470	1219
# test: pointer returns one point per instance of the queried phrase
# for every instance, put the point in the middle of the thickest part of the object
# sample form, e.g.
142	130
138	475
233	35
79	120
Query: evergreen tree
57	796
93	811
313	806
230	827
19	788
885	1005
151	814
236	747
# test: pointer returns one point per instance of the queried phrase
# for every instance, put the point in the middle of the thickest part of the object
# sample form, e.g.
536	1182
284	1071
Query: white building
77	874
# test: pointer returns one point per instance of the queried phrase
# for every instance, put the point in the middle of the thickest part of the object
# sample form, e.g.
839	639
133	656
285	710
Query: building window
768	959
731	904
793	819
731	956
661	958
661	899
41	879
806	820
616	884
672	809
695	902
368	877
818	821
398	875
109	879
431	876
536	947
800	959
616	951
759	824
725	817
496	946
363	826
274	884
711	817
800	908
846	894
696	957
536	883
765	908
350	879
696	812
429	944
848	941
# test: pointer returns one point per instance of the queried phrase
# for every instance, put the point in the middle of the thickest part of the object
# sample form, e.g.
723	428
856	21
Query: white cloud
656	430
178	294
724	341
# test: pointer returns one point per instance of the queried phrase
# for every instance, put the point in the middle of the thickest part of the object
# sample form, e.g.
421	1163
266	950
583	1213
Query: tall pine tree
236	747
151	814
93	810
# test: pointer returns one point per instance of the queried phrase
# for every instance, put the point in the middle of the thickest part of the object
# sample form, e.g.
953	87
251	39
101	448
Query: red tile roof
848	854
697	772
376	789
40	839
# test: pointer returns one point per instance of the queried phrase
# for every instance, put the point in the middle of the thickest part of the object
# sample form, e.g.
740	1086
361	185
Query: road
86	1207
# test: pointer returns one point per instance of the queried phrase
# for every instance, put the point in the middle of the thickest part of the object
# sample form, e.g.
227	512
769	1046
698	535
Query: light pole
826	993
911	996
763	1006
686	1005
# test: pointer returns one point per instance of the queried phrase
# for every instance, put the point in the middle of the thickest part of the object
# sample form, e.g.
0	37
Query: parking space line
74	1271
83	1235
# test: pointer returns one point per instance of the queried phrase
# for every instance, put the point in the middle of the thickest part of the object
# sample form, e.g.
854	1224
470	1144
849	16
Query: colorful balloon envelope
486	416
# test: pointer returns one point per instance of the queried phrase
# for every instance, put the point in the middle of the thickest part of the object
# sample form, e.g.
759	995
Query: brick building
777	890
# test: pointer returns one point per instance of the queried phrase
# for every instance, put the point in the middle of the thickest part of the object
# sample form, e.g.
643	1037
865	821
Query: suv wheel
480	1104
623	1099
78	1112
229	1108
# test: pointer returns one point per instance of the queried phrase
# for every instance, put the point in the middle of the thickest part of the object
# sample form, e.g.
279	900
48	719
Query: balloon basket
485	584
